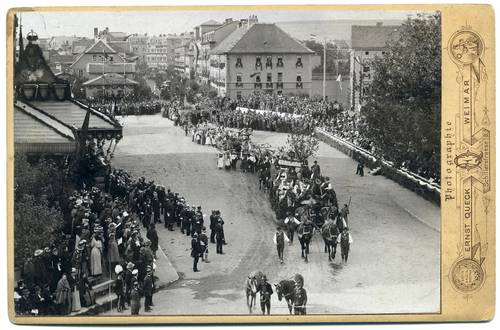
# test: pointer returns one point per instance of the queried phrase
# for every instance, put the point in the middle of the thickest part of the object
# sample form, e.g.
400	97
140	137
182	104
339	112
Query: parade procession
235	168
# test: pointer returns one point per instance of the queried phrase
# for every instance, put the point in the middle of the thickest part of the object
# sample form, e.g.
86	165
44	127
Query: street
394	263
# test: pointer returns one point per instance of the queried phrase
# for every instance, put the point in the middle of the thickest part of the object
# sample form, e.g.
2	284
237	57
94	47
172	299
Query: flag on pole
312	36
339	80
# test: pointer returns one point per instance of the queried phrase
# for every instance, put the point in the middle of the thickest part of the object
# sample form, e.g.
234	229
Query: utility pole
324	69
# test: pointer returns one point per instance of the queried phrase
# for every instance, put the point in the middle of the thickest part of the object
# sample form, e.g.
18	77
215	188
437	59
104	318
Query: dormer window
299	62
269	62
239	63
258	63
279	64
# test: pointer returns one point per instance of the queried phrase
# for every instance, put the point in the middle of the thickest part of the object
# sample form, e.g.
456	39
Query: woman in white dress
220	161
96	256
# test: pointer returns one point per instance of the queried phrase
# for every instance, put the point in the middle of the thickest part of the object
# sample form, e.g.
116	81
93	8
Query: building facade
367	43
99	53
261	58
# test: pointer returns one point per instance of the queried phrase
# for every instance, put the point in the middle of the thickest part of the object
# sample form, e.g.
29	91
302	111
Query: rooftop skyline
48	24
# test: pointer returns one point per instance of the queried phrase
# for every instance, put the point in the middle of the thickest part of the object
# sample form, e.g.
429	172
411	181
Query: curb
164	268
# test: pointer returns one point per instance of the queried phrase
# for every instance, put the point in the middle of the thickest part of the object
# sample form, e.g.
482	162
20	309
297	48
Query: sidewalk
165	274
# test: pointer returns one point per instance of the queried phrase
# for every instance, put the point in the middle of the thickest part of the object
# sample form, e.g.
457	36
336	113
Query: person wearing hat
128	281
113	253
195	251
266	290
185	218
344	212
96	254
63	295
291	222
40	275
279	240
315	170
148	288
135	299
345	241
152	236
213	222
119	288
204	244
300	296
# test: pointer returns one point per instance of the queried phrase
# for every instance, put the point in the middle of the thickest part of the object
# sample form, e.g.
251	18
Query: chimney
96	32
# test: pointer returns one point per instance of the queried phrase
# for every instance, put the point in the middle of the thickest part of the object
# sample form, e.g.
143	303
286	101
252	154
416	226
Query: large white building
261	58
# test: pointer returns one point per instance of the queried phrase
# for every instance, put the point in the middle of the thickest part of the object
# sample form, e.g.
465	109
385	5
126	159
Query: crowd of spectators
112	237
128	105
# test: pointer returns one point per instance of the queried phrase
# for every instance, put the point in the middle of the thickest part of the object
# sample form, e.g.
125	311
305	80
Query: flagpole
324	68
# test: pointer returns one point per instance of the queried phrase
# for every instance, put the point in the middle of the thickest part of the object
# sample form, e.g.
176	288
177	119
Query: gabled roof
110	79
260	38
72	114
33	126
373	36
100	47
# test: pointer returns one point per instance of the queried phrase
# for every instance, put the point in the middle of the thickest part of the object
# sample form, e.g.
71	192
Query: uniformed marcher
213	222
219	235
300	297
195	251
204	244
266	290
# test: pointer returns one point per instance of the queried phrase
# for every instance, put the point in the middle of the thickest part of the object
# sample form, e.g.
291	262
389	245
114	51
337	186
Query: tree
35	226
302	146
41	180
337	59
402	106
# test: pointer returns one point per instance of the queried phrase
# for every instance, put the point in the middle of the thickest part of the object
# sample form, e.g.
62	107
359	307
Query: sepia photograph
227	162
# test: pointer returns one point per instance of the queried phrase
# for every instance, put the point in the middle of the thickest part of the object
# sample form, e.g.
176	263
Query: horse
286	289
251	292
330	233
305	234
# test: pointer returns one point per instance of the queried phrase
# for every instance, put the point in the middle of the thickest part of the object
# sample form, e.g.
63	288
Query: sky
48	24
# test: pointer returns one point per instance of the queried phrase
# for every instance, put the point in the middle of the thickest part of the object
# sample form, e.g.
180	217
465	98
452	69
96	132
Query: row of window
102	58
269	81
269	62
156	58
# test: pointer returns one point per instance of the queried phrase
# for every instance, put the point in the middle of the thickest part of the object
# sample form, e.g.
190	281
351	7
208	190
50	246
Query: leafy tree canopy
402	109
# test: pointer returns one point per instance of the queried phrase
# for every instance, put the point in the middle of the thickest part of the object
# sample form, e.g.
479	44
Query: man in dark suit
148	288
152	235
195	251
